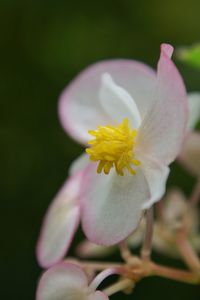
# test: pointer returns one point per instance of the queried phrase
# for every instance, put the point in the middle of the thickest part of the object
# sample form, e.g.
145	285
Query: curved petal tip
167	49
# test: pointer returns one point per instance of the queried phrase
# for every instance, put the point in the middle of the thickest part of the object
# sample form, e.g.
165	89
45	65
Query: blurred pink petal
162	131
190	155
194	109
60	223
68	281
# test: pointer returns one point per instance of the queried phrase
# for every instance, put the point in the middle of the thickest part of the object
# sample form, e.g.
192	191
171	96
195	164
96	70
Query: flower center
113	147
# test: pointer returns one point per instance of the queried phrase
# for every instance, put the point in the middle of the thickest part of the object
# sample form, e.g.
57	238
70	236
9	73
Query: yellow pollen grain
113	147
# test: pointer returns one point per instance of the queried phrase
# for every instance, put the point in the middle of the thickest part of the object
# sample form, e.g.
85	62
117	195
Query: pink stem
147	244
195	194
104	274
189	255
125	251
174	274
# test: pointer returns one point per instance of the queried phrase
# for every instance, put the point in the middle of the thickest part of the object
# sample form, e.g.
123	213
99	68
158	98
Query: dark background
43	45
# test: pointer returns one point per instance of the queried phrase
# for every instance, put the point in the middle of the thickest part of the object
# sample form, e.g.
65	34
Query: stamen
113	147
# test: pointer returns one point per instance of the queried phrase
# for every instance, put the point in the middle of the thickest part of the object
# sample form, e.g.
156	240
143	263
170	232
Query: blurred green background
44	44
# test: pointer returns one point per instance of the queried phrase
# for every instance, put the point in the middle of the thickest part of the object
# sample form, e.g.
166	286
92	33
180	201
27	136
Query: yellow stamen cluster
113	147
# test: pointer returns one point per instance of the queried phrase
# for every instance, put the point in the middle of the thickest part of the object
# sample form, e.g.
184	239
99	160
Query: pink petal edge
186	161
166	121
86	223
167	49
52	270
100	296
39	247
65	99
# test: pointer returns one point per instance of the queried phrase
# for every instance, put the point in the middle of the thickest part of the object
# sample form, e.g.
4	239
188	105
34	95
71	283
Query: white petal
137	237
63	281
87	249
194	109
112	205
79	106
79	164
99	296
117	103
190	155
175	208
162	131
60	224
163	245
156	175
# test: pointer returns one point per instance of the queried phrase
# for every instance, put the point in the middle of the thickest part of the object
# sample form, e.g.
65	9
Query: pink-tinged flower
176	210
68	281
87	249
194	109
190	154
137	120
60	223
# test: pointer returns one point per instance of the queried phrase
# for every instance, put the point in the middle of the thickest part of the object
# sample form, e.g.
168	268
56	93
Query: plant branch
147	244
174	274
195	194
189	255
122	285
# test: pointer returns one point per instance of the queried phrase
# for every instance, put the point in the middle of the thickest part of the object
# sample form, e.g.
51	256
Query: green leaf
190	55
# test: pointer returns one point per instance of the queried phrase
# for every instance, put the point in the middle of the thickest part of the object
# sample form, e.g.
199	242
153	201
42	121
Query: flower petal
99	296
175	208
194	109
190	155
79	164
63	281
117	103
156	175
137	237
162	130
109	200
162	245
87	249
79	106
60	224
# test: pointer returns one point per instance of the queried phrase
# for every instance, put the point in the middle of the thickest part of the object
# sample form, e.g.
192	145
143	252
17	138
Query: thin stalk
189	255
125	251
147	244
95	265
159	211
119	286
195	194
174	274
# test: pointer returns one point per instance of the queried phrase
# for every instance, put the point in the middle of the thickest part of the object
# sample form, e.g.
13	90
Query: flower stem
195	194
147	244
101	276
95	265
125	251
119	286
174	274
190	257
159	211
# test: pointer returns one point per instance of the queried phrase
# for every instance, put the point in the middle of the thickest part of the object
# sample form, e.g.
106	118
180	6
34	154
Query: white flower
176	210
68	281
190	154
194	109
60	223
137	119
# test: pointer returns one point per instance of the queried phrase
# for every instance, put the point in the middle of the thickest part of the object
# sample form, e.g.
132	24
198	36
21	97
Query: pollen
113	147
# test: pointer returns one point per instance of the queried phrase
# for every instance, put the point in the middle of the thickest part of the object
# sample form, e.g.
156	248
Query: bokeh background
44	44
